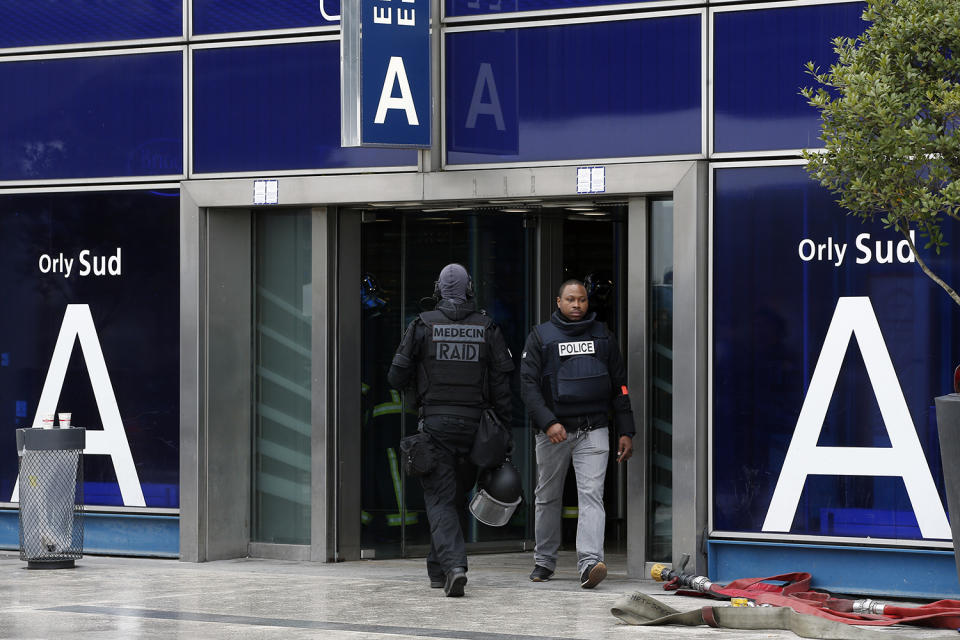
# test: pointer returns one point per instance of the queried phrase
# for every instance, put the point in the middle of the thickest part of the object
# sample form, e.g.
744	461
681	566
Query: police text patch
457	333
576	348
458	351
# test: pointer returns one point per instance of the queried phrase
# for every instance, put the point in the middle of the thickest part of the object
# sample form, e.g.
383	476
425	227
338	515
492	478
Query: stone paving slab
121	598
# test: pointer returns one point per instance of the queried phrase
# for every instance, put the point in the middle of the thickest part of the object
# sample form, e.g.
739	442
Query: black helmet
502	483
498	496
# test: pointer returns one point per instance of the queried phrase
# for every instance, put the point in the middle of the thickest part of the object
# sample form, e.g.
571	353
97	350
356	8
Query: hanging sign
385	73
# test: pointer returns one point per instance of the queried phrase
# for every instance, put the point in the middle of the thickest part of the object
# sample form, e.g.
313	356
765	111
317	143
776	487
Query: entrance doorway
512	252
518	249
594	245
402	251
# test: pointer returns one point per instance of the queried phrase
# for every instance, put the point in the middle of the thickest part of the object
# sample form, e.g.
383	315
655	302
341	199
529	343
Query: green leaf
890	117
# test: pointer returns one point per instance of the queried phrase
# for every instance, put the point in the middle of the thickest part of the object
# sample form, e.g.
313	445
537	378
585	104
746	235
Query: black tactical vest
574	372
454	363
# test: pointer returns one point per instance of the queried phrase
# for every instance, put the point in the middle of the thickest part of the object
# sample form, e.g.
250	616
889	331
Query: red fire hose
793	590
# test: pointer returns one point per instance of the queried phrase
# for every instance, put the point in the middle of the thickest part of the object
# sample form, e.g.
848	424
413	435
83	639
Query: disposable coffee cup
46	421
64	420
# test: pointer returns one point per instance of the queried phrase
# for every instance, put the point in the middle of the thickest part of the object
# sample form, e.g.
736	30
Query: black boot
456	578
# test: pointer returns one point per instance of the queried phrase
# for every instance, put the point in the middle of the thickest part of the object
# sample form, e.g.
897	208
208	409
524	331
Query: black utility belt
452	410
584	423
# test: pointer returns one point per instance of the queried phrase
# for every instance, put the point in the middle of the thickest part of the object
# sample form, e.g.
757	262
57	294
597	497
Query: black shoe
540	574
437	583
456	578
593	575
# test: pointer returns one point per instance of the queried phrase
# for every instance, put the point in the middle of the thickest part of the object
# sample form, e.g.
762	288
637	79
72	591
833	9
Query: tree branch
923	265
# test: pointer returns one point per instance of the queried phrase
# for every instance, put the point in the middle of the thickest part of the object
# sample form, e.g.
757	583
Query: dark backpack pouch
417	455
492	443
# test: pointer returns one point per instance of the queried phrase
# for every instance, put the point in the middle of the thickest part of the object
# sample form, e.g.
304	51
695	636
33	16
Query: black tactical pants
445	490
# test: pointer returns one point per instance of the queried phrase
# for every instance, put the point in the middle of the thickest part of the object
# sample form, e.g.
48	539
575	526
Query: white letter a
904	458
396	73
112	440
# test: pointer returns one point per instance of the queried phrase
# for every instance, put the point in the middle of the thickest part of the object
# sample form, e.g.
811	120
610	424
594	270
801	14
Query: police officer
572	376
460	362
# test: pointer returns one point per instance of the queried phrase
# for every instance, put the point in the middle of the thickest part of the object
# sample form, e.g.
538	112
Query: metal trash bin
51	496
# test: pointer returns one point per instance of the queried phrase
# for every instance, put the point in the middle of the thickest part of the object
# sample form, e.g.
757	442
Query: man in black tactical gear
571	378
460	363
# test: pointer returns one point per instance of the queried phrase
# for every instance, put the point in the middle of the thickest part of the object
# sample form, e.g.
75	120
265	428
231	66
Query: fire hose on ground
779	602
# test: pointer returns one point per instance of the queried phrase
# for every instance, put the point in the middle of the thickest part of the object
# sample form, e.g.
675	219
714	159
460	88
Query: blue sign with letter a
385	91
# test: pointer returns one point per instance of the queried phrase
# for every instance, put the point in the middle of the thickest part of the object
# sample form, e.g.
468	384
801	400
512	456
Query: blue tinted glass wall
274	108
230	16
115	254
493	7
784	256
110	116
28	23
598	89
759	68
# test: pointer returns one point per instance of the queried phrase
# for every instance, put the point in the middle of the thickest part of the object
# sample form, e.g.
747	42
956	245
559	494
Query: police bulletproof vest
574	369
454	364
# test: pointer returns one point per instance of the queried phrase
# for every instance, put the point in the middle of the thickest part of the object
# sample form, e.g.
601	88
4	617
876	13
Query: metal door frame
336	482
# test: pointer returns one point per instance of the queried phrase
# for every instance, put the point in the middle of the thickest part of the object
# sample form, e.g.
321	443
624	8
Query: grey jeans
588	450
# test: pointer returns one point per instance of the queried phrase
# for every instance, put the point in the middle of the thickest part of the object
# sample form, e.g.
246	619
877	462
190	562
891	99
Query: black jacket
403	369
540	408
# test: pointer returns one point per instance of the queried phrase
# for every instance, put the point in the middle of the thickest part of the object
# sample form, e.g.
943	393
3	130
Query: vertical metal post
432	159
690	367
347	383
638	362
323	520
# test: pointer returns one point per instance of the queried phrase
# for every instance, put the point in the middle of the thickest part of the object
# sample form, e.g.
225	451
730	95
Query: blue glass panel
603	89
759	59
493	7
230	16
274	107
91	117
52	22
134	306
785	255
867	571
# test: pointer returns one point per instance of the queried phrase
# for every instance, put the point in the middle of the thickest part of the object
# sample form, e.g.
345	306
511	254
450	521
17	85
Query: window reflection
660	421
282	316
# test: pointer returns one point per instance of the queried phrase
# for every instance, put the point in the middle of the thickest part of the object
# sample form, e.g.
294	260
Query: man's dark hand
556	433
624	448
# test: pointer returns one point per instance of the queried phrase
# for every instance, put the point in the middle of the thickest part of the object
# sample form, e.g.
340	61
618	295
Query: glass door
594	248
660	405
282	316
402	251
594	251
